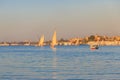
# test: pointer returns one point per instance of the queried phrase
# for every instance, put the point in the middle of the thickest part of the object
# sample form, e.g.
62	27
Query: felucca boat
41	41
54	40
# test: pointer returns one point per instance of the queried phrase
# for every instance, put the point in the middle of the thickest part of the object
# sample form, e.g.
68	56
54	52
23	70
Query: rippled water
66	62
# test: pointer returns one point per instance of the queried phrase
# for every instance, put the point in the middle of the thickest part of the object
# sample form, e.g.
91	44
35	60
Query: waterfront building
4	44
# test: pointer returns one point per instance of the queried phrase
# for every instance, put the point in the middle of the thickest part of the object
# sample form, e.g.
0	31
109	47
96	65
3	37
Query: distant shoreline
92	39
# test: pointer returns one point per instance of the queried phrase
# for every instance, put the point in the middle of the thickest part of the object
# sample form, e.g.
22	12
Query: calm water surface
66	62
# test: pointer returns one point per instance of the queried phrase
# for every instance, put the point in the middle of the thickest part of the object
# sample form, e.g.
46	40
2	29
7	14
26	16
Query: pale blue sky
28	19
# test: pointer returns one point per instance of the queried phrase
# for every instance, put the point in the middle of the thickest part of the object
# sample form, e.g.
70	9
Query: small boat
41	41
94	47
54	40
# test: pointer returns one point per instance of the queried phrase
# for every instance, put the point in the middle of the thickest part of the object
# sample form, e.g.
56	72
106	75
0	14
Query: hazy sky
29	19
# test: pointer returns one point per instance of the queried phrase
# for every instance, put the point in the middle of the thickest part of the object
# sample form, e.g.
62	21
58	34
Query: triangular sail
41	42
54	39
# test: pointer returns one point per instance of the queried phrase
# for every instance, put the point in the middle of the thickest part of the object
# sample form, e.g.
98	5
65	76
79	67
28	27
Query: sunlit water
66	62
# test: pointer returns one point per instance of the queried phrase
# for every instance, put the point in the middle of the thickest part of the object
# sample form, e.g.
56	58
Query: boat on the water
94	46
41	41
54	40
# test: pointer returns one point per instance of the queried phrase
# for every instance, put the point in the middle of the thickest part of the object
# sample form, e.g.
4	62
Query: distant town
92	39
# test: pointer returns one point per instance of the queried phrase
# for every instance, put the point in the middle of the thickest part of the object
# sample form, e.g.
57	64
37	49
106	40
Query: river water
66	62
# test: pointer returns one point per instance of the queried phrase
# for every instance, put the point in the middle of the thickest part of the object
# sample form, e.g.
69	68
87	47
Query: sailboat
54	40
41	41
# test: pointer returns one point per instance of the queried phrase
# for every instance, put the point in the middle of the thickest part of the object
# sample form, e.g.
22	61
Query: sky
29	19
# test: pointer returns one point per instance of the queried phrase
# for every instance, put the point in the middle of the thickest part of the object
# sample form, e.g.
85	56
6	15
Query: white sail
54	40
41	41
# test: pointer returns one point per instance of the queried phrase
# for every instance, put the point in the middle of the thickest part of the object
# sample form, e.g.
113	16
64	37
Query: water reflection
54	65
